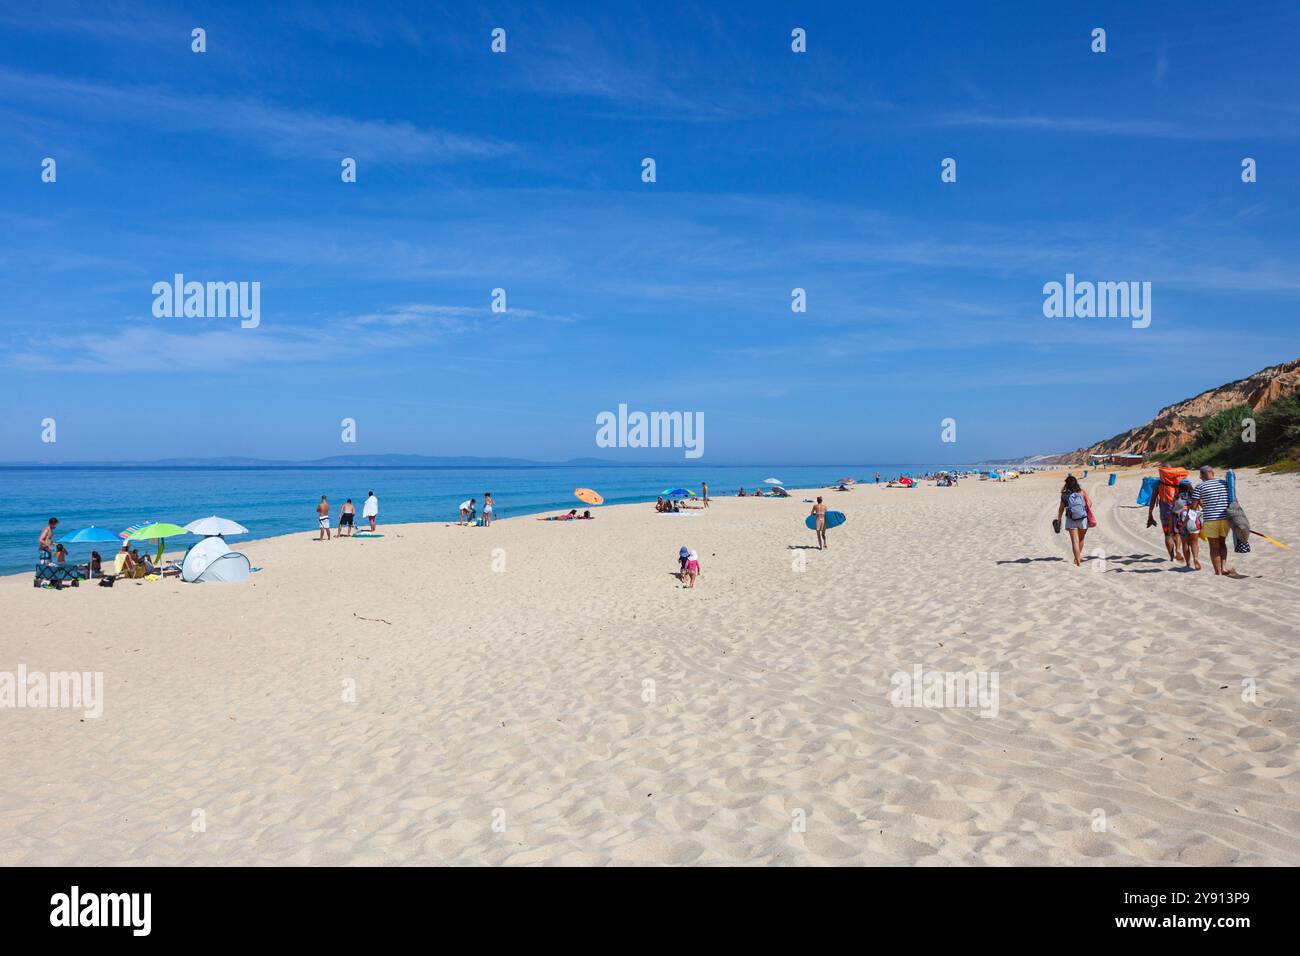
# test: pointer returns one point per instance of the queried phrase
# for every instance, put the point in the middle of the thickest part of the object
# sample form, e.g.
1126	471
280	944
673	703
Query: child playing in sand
692	568
1192	523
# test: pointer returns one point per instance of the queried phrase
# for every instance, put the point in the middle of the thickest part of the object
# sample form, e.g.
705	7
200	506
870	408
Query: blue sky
522	171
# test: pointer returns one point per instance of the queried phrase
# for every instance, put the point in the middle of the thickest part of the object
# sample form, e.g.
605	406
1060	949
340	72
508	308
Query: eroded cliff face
1176	425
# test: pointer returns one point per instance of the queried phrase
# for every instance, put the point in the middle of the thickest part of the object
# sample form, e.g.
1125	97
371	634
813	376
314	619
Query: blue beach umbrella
91	535
678	493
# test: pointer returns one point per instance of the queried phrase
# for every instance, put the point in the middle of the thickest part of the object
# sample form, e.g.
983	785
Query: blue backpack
1075	507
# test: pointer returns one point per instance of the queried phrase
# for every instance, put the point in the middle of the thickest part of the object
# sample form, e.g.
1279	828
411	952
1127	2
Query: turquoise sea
278	500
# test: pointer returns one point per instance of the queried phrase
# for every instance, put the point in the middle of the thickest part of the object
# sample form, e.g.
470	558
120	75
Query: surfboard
833	520
367	534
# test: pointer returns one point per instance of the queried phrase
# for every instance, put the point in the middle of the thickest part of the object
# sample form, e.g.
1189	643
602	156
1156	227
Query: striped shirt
1214	498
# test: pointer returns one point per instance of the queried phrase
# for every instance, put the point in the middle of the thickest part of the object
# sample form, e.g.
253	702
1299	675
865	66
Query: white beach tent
212	560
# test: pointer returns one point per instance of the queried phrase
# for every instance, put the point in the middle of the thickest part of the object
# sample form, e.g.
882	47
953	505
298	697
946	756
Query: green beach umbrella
158	530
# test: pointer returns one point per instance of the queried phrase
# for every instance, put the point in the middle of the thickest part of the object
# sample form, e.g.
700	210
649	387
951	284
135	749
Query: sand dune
547	693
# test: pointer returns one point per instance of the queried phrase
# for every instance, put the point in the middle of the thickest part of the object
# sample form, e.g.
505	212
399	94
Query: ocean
278	500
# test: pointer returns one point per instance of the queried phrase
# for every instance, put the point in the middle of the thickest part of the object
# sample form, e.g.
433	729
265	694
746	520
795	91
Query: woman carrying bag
1077	511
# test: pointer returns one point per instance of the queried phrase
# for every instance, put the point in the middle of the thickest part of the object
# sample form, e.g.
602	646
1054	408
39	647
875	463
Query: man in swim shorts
46	541
346	517
323	519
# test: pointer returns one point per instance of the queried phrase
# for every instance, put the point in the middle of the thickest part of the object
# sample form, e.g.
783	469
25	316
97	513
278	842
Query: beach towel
1240	527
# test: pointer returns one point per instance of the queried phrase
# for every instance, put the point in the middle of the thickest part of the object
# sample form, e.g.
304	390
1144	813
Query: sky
523	171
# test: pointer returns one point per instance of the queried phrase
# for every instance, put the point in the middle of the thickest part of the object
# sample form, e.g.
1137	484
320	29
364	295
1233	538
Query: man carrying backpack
1166	492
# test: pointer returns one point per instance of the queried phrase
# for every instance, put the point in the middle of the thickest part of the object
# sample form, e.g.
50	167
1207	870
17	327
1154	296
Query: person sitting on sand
659	505
96	565
692	568
585	516
741	494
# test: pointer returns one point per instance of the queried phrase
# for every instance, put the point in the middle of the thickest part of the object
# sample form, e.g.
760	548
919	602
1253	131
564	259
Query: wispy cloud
282	131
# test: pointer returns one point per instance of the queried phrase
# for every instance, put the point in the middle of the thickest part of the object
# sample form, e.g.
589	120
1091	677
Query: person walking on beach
370	509
1166	492
323	519
347	515
466	512
1189	526
692	568
1212	493
1074	506
819	512
487	509
704	490
46	542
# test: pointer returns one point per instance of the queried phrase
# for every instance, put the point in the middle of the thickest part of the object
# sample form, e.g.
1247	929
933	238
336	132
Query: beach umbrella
132	529
156	531
678	493
215	526
587	496
91	535
773	481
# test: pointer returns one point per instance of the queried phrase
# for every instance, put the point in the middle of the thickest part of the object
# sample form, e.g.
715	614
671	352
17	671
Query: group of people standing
347	516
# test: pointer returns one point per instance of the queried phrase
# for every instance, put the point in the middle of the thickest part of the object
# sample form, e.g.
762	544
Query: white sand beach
575	705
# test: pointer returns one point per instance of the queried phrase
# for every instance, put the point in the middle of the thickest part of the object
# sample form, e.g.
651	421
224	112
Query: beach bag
1076	506
1147	490
1191	521
1092	518
1169	479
